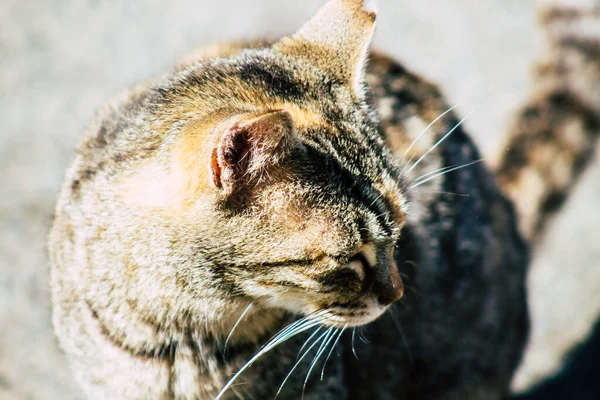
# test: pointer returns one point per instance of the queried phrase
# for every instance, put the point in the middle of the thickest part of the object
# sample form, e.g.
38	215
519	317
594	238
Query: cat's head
280	174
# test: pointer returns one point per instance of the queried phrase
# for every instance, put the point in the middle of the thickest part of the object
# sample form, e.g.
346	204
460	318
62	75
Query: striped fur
258	183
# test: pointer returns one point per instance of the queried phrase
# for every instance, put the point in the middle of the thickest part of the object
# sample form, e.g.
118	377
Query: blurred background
61	59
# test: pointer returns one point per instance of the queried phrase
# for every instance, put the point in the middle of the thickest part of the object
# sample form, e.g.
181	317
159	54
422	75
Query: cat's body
179	218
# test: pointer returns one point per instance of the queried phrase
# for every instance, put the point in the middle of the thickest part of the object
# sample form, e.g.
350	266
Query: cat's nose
388	284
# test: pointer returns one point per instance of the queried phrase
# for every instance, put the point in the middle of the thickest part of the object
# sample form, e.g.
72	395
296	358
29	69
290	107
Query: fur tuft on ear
249	146
336	39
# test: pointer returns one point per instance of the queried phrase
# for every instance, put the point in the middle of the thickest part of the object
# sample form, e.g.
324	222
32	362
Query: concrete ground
61	59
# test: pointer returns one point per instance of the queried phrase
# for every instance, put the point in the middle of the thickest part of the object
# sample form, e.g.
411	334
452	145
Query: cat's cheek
296	303
272	294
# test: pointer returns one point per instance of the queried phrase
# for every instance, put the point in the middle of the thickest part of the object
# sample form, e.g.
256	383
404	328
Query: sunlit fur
221	228
168	233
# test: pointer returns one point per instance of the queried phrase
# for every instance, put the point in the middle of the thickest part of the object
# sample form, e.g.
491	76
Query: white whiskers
330	334
331	351
361	335
416	184
352	342
434	171
237	323
300	360
291	330
442	138
429	126
421	134
308	340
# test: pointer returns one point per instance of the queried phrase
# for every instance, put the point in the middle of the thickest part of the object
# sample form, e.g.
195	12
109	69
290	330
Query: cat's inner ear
336	39
249	146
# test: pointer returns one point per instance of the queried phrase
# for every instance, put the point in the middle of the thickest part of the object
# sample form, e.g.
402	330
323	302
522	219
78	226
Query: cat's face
315	235
305	201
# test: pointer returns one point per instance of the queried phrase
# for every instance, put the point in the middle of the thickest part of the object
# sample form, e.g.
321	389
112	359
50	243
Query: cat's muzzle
382	279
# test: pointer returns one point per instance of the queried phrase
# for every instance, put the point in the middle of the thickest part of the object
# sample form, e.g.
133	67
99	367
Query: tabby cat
290	220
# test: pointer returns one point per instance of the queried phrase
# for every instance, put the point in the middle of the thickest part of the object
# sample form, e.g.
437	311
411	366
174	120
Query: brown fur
258	183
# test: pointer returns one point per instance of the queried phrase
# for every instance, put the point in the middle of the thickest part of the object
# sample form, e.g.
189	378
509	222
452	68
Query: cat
267	204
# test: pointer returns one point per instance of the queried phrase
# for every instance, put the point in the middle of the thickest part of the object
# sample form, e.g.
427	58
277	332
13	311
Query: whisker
308	340
361	335
434	171
412	289
331	351
312	316
377	198
299	361
290	327
295	328
406	164
237	323
459	123
352	343
429	126
322	347
296	331
417	184
237	393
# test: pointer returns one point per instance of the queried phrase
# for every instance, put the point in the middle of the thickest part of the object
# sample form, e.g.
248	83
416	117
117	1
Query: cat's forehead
254	80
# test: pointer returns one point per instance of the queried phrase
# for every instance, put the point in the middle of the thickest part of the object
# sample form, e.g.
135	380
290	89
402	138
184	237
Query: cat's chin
347	317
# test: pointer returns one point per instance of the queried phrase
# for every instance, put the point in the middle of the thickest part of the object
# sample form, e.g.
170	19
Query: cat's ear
336	39
248	147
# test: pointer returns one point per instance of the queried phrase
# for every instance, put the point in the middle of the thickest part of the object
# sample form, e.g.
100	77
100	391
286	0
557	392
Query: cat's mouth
381	286
350	293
